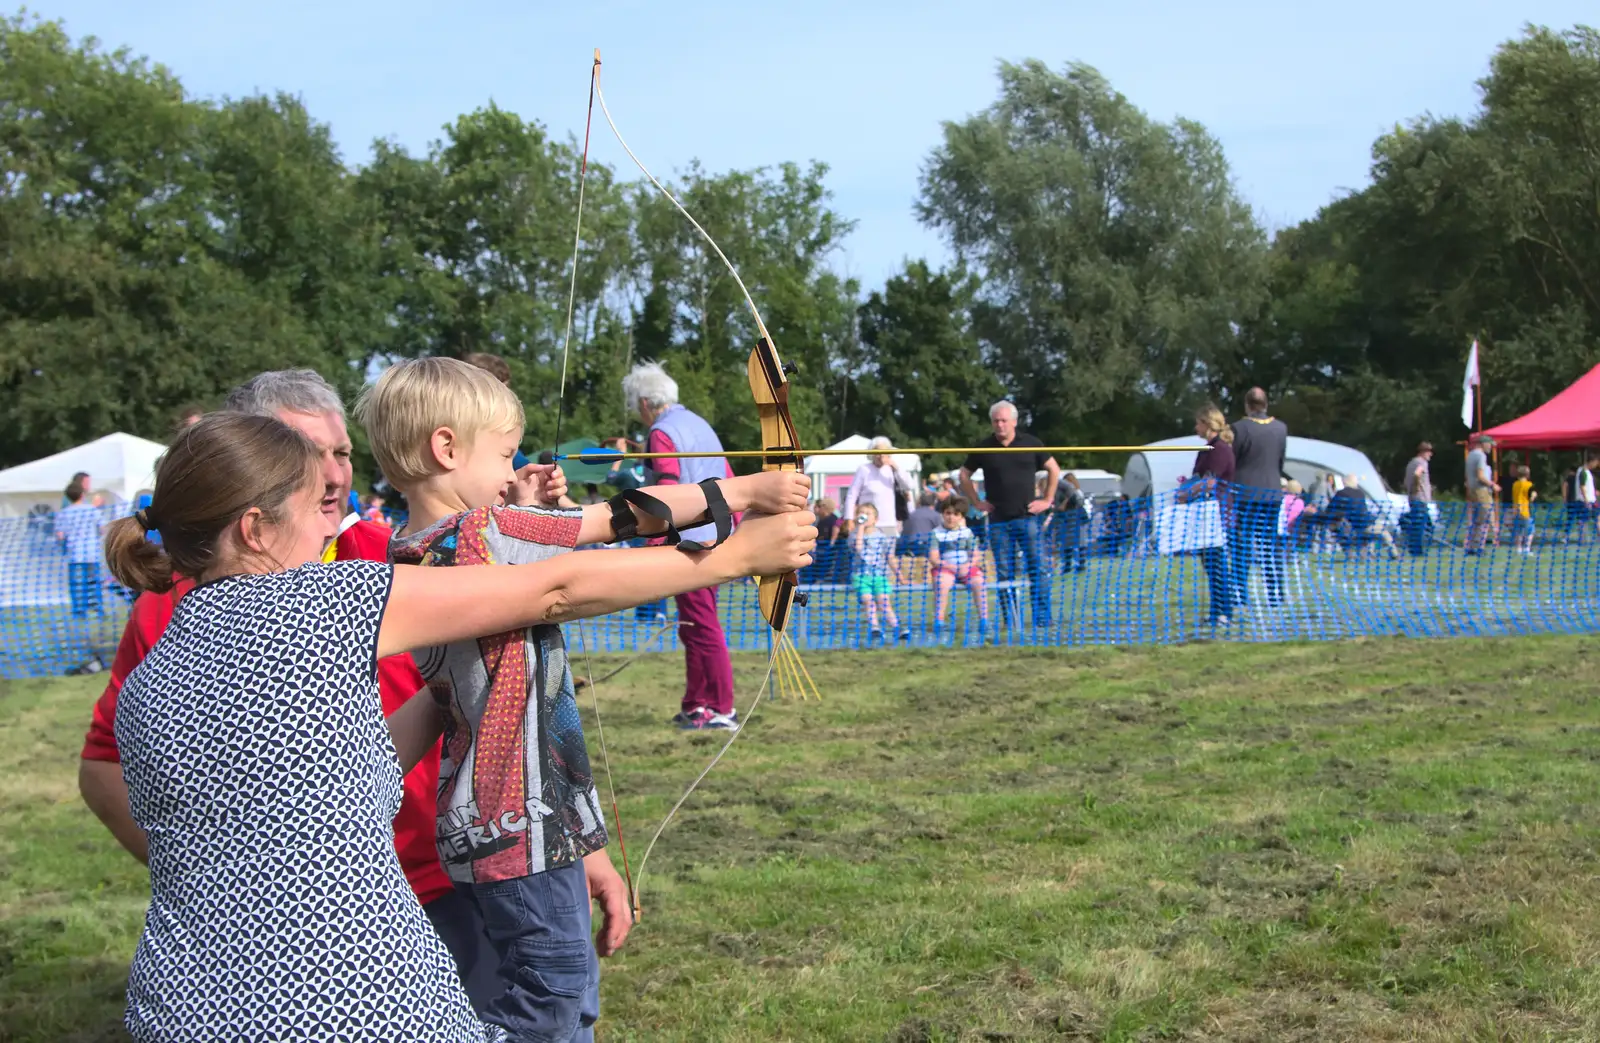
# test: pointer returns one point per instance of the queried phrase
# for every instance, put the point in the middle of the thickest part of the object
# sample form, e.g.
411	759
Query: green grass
1376	840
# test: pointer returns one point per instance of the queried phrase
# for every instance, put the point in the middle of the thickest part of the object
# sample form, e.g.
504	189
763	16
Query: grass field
1377	840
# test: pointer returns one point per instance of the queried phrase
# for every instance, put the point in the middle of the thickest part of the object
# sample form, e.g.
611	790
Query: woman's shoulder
331	578
323	599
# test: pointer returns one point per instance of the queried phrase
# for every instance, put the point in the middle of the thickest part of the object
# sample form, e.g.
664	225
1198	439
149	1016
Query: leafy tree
290	221
160	249
477	256
926	382
121	295
1486	228
1115	259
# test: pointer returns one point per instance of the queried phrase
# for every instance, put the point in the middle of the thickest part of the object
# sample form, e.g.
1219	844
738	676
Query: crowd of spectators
1005	522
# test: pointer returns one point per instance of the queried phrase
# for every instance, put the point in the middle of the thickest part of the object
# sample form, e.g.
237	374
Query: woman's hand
771	544
769	492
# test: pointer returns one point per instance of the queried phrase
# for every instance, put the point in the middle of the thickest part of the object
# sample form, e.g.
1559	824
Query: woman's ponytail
138	564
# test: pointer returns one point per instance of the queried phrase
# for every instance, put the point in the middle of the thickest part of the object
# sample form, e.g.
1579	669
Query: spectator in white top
78	530
1584	483
879	482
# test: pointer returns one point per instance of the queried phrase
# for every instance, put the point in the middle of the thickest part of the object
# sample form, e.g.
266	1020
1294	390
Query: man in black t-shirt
1013	507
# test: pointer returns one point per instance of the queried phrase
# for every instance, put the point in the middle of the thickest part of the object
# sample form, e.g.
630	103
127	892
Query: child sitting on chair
956	557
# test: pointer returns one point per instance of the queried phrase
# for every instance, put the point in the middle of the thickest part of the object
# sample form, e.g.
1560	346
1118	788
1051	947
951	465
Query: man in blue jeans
1259	445
1419	498
1011	505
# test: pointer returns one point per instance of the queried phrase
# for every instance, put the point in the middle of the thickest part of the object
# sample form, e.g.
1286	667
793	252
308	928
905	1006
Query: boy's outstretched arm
770	492
432	606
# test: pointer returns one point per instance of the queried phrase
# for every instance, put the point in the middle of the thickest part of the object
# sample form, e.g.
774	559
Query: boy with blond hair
1522	497
520	828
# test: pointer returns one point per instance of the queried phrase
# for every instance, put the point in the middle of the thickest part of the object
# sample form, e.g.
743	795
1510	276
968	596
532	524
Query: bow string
769	387
561	402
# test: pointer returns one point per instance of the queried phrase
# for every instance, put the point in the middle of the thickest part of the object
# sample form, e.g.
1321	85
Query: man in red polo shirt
303	400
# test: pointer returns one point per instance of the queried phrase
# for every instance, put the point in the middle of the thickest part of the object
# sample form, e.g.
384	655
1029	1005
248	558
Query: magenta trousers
708	673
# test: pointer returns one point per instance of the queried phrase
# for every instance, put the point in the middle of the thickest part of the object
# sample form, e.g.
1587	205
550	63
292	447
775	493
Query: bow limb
769	384
755	313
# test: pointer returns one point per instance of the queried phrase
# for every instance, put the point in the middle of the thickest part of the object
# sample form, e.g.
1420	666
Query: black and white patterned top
257	760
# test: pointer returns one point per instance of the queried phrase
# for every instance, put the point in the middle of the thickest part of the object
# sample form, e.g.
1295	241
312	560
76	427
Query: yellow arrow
595	456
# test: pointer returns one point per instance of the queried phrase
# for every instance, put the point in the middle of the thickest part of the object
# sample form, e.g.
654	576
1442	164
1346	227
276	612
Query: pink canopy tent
1571	420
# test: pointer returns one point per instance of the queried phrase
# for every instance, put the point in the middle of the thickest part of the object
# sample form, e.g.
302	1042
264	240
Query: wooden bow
769	386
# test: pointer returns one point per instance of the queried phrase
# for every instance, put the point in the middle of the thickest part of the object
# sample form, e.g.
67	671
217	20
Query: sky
1296	92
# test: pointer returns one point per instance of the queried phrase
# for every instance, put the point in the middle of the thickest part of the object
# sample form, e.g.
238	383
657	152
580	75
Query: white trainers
702	719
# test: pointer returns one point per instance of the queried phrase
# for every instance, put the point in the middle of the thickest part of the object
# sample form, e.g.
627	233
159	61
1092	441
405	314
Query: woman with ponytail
256	753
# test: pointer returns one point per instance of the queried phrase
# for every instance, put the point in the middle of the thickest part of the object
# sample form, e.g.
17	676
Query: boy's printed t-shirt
956	547
516	793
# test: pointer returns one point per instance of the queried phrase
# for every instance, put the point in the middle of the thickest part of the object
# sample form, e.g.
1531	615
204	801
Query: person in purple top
1213	479
708	672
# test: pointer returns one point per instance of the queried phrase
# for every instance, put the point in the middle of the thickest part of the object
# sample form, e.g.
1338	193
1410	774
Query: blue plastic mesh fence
57	613
1163	569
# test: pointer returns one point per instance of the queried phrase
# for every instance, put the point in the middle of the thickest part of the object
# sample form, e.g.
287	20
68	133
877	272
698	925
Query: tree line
1106	275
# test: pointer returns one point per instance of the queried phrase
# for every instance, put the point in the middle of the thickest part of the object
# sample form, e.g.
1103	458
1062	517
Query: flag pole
1479	342
1494	452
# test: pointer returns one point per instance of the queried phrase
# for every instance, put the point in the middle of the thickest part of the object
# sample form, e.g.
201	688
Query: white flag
1469	382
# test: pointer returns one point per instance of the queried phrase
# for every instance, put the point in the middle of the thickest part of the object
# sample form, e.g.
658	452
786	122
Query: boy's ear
445	448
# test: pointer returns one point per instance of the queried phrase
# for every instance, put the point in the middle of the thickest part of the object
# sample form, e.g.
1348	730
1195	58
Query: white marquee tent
1193	526
119	465
1305	459
831	475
